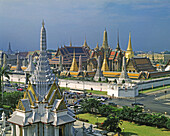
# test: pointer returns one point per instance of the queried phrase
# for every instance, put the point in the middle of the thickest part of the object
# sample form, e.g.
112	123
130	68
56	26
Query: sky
73	20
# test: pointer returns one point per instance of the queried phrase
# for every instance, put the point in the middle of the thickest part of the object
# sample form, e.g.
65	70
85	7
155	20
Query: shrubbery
10	99
126	113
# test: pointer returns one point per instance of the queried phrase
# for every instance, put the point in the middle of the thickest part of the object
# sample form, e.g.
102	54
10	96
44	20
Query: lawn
155	89
129	128
97	92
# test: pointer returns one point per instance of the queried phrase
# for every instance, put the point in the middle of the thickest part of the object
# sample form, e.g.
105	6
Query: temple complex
42	111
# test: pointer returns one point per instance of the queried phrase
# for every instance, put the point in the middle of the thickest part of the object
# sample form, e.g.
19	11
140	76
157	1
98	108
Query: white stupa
42	111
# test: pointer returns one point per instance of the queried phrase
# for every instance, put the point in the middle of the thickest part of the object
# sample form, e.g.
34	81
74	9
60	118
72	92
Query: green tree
123	81
168	124
90	105
4	71
112	123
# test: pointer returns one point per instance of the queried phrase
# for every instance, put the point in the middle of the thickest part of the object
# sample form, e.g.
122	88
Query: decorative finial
43	23
118	47
130	34
118	35
70	43
74	53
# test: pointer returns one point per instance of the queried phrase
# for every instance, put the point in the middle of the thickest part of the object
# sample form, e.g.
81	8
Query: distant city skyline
65	20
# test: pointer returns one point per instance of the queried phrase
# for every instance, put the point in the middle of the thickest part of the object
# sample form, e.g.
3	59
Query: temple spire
85	43
61	63
43	23
99	74
18	67
74	66
97	46
118	47
105	42
80	64
30	69
70	43
105	65
42	76
124	76
43	45
129	43
9	49
129	53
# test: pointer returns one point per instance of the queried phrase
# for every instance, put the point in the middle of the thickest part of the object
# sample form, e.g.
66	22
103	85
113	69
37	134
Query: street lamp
19	81
83	85
101	87
66	85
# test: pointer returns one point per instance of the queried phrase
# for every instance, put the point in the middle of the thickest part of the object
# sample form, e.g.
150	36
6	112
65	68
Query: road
154	102
9	89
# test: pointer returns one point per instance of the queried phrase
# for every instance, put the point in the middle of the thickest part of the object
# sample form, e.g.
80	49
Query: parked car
101	99
137	104
112	104
8	84
20	89
89	95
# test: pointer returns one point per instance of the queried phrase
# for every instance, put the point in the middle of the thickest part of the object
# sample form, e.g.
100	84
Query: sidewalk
78	126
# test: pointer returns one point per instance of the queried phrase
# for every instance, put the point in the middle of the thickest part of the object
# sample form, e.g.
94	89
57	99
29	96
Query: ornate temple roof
67	53
141	64
114	55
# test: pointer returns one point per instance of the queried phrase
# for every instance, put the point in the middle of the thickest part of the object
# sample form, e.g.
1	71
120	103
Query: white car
101	99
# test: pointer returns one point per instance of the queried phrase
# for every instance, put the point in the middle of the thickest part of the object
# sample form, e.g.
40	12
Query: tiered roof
68	53
141	64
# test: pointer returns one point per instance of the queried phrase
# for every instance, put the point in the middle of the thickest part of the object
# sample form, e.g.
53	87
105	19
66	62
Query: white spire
42	77
43	45
31	66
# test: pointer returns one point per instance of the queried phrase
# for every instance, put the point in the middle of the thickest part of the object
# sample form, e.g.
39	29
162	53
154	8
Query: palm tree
4	71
